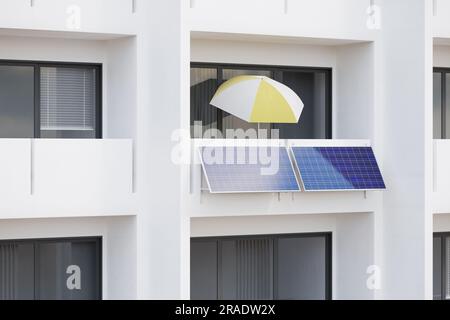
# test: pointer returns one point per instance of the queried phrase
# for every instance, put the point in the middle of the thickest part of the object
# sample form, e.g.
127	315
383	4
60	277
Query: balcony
43	178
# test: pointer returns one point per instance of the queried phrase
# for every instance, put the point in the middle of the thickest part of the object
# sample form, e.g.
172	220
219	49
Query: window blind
254	269
8	269
203	86
68	98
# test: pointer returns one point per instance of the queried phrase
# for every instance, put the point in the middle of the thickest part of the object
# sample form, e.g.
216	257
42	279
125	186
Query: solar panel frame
291	165
354	189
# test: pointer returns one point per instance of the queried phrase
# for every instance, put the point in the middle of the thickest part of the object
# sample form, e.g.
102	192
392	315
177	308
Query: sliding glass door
284	267
59	269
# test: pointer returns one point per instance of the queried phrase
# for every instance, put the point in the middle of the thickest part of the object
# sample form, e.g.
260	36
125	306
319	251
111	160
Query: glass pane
437	105
437	269
68	271
68	102
301	268
204	270
203	87
311	87
16	102
231	122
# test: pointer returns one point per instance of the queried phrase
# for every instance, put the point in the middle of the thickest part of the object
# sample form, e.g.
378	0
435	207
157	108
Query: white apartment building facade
99	99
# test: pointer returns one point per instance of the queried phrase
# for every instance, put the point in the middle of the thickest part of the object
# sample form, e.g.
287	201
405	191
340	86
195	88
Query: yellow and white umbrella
258	99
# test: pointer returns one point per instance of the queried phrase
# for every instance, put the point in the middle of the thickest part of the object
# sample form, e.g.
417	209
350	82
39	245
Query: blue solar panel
338	168
248	169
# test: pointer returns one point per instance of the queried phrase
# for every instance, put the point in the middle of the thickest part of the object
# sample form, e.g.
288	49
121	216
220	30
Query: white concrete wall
441	22
349	260
122	259
121	88
355	91
119	243
51	49
441	56
262	52
441	223
355	254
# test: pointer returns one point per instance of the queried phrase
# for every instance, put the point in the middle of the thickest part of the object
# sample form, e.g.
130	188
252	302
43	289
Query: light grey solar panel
248	169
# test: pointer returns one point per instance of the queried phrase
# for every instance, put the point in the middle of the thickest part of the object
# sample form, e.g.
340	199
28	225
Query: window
313	85
57	269
44	100
441	103
285	267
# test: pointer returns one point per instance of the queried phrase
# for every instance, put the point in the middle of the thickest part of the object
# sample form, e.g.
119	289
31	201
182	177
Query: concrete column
162	229
406	42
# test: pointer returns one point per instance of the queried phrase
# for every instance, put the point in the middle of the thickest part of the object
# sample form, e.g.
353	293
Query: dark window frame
99	247
328	236
37	87
276	71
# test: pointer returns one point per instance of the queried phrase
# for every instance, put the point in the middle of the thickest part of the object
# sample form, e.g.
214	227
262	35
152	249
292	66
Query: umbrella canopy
258	99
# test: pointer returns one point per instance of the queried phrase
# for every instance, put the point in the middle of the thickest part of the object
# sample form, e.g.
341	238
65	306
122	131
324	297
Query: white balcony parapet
44	178
70	16
326	19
